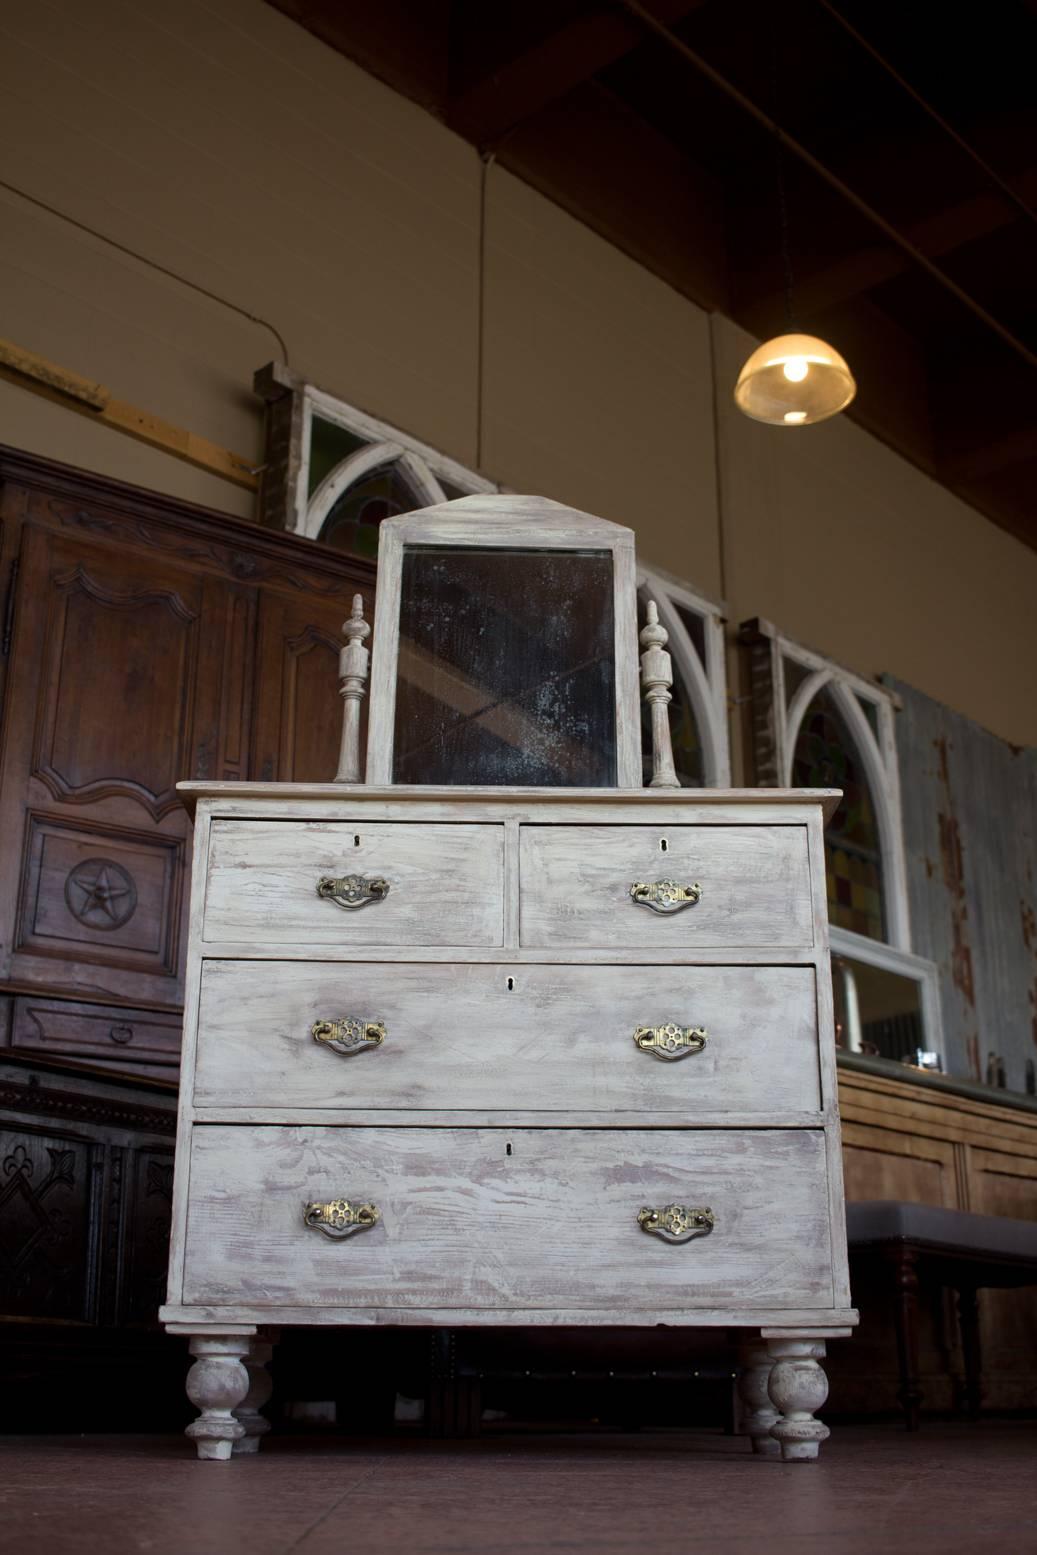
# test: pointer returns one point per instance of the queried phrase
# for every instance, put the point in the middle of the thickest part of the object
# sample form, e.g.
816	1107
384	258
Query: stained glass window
329	445
825	757
352	524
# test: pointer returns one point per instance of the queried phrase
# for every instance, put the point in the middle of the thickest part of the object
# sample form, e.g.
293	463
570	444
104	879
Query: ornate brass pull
677	1222
339	1218
671	1042
664	895
348	1035
352	890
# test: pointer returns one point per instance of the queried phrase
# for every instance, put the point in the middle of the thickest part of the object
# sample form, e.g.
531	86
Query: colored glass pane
352	524
329	445
826	757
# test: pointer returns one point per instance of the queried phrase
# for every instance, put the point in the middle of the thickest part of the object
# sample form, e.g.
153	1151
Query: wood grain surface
465	1222
508	1037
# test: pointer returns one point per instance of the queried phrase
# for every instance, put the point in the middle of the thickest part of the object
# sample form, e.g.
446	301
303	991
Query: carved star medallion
100	894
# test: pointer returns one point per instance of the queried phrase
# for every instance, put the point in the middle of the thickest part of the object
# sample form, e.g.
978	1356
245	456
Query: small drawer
508	1219
384	883
517	1037
97	1032
752	887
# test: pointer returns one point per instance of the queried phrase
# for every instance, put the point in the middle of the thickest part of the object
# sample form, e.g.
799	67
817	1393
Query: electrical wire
153	264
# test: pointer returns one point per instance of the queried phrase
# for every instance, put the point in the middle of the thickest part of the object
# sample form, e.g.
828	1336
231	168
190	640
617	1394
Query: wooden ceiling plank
862	270
525	84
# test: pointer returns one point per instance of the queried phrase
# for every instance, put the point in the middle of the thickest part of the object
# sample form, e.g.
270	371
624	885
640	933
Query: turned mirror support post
353	663
656	680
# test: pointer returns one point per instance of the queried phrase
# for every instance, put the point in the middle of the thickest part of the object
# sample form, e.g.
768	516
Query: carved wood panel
298	717
50	1185
149	641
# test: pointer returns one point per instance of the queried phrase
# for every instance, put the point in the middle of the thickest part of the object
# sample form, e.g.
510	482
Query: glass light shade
793	380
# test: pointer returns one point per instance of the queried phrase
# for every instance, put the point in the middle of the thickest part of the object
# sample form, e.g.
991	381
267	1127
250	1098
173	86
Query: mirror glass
506	670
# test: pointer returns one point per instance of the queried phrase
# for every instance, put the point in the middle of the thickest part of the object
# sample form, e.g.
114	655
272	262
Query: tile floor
955	1489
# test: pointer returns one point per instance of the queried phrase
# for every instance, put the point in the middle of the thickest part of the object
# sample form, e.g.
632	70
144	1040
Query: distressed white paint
471	1235
576	885
509	1037
552	1224
446	883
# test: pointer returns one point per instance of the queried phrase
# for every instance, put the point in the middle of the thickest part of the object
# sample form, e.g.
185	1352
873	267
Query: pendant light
794	379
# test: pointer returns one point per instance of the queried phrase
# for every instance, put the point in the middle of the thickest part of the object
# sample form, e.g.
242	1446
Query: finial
356	628
653	634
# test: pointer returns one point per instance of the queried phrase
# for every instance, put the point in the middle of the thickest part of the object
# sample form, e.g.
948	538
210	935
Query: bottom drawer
497	1218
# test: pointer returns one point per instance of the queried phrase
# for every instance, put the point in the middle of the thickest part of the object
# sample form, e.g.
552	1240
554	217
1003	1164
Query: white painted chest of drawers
542	1058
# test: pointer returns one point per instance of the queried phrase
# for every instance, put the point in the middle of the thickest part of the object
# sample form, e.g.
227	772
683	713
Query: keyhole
511	986
507	1148
663	845
356	840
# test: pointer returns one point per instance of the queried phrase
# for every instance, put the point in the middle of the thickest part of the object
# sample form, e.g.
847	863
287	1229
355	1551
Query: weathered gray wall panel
970	831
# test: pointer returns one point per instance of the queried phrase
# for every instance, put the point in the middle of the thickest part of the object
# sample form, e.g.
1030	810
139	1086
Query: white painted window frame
857	947
422	466
706	683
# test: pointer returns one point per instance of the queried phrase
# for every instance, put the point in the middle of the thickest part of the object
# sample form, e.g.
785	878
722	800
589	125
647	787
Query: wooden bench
962	1251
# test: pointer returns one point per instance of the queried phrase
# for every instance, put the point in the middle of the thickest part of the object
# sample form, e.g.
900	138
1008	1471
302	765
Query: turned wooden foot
797	1387
760	1414
217	1383
905	1275
259	1390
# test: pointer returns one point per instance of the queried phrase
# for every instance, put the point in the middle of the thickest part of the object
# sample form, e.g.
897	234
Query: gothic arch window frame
777	720
706	682
292	404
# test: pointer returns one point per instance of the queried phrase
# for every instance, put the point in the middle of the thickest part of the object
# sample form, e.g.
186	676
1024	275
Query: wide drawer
445	883
553	1038
491	1218
576	886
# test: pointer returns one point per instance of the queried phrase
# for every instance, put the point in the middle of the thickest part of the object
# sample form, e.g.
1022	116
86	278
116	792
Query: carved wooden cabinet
145	641
142	641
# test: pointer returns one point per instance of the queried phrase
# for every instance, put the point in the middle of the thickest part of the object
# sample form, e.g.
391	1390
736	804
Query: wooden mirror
505	648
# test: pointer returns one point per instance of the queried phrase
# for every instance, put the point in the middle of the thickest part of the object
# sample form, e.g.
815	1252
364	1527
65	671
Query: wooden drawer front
91	1031
446	883
575	883
465	1224
558	1038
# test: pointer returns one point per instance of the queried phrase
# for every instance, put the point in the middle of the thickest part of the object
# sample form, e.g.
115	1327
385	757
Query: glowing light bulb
794	417
793	381
795	370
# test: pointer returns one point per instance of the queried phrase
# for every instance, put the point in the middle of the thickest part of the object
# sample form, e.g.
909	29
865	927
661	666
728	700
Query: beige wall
229	146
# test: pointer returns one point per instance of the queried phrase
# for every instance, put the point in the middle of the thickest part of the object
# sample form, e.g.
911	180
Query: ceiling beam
862	269
517	87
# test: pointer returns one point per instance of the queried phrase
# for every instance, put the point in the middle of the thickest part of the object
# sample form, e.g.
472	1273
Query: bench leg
905	1275
968	1321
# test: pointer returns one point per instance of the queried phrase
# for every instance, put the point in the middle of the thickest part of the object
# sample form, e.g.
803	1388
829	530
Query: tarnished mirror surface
506	671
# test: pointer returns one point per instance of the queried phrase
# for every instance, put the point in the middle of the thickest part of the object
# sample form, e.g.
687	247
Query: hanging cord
779	169
486	159
937	117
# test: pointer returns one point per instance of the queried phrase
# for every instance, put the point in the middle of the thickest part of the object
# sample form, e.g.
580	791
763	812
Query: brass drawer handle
348	1035
671	1042
339	1218
352	890
677	1222
665	895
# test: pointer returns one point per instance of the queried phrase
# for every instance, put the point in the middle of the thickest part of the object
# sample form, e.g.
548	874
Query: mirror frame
503	522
